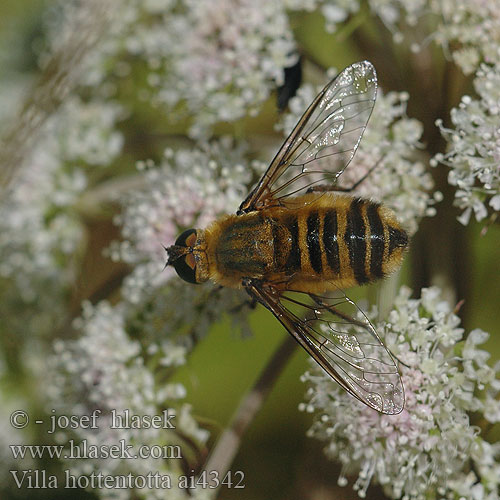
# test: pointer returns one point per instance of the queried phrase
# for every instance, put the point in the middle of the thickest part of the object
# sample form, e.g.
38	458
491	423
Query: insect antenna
168	260
175	252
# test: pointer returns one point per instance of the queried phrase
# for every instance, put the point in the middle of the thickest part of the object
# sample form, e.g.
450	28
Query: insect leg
346	317
251	303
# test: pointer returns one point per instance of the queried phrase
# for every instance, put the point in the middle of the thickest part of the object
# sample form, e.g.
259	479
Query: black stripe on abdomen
330	228
293	262
355	238
376	241
313	242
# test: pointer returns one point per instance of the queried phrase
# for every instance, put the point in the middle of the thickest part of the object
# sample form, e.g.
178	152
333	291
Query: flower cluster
41	231
209	61
134	72
36	226
336	12
187	312
468	29
105	369
399	180
189	188
474	147
233	54
472	26
432	446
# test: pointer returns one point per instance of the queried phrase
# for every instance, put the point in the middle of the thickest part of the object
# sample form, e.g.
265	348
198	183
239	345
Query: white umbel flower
474	148
105	369
431	449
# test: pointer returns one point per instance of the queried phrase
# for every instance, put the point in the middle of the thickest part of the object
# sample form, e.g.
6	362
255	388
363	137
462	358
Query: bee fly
298	236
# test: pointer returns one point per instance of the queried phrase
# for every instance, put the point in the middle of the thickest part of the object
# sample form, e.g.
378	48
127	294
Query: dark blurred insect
293	79
298	236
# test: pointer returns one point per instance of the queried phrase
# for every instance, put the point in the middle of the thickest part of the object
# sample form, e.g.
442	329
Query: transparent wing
342	340
324	140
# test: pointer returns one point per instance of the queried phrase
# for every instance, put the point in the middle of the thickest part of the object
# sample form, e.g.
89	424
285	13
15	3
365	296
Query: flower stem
226	448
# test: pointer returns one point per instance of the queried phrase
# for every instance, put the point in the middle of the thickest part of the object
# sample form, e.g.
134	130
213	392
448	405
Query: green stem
229	442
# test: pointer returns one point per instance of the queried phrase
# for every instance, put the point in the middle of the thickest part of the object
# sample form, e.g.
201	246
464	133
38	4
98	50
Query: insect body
326	242
295	240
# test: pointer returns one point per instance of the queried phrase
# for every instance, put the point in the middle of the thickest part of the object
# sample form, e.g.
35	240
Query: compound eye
186	264
185	267
187	238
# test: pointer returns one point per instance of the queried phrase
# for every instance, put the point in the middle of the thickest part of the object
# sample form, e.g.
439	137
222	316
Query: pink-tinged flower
208	60
231	56
431	446
105	369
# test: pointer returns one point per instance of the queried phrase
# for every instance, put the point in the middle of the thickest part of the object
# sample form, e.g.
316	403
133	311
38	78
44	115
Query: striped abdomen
324	242
347	241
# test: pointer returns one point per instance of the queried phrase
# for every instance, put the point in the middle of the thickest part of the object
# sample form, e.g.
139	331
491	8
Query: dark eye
185	239
185	267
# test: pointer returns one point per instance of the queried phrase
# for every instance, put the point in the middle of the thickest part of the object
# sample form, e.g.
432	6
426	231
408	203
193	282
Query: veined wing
347	347
324	140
